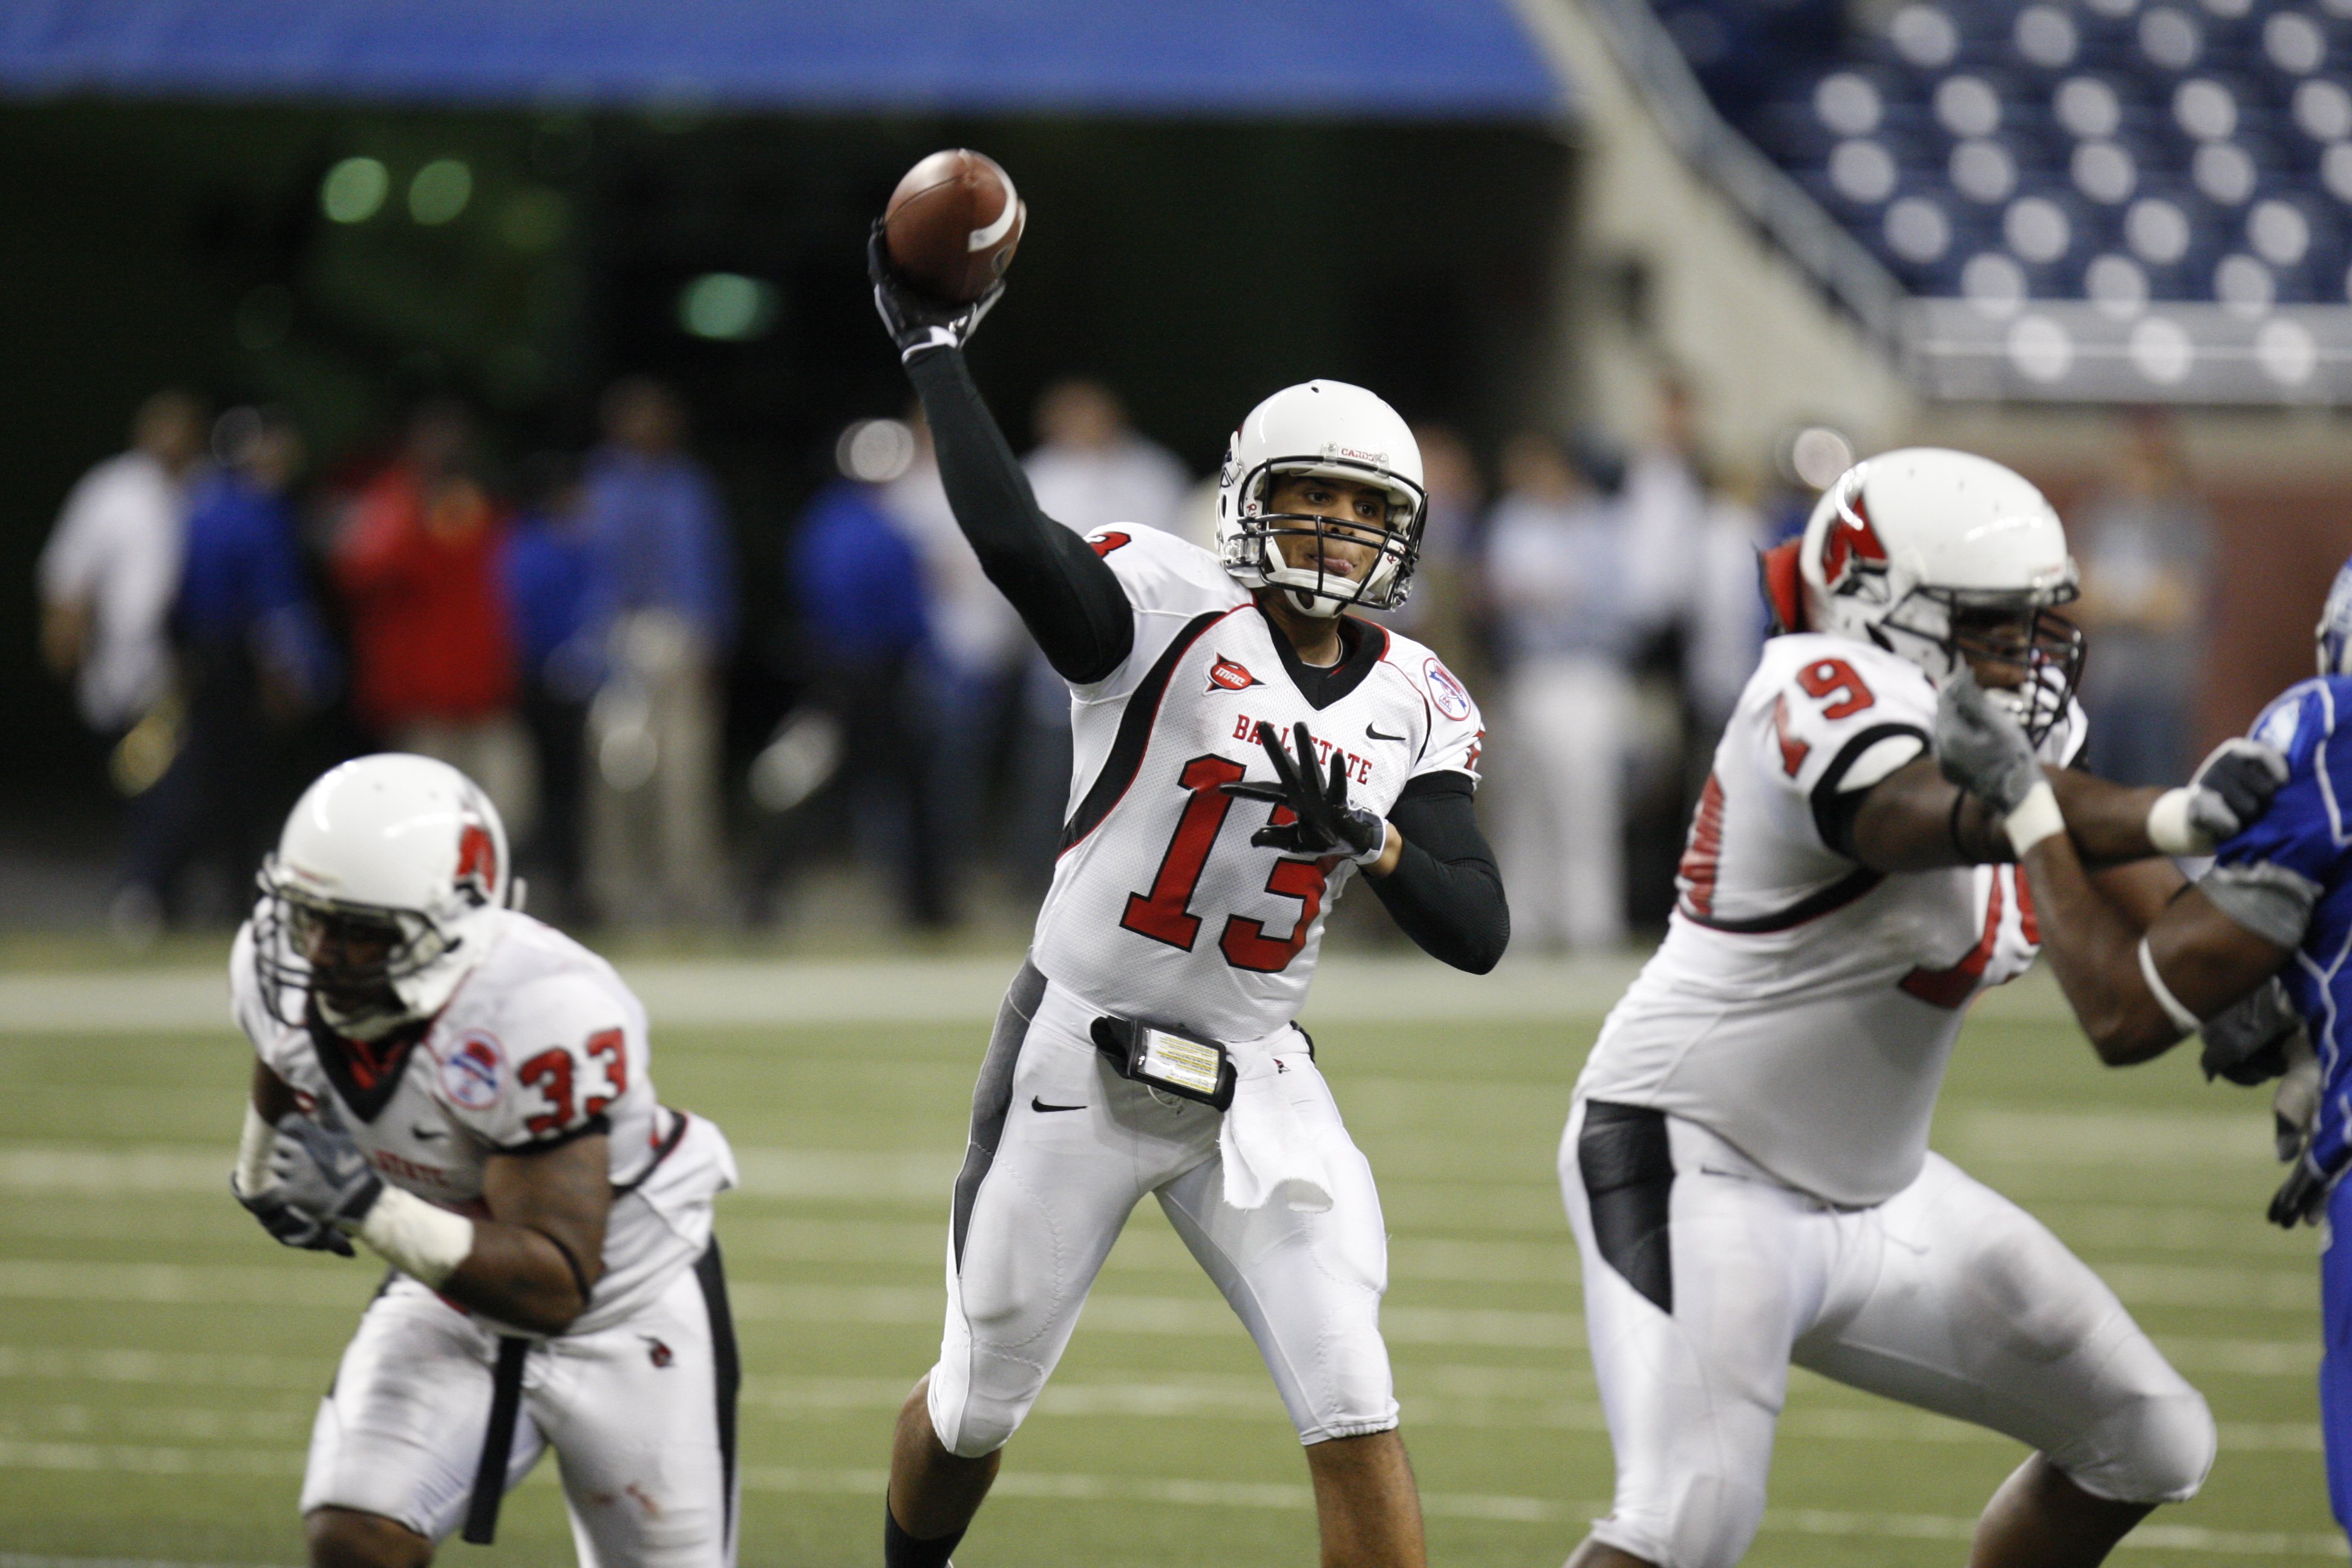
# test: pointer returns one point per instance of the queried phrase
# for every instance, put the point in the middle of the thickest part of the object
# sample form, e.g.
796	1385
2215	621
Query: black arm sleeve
1070	600
1446	893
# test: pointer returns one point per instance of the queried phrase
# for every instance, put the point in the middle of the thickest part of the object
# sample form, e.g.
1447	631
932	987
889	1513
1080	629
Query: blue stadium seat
2119	151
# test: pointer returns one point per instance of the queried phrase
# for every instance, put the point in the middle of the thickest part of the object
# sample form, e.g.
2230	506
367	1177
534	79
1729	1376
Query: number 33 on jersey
1160	907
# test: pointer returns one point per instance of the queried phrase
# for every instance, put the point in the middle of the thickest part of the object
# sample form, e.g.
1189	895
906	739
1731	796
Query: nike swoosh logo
424	1134
1379	735
1037	1104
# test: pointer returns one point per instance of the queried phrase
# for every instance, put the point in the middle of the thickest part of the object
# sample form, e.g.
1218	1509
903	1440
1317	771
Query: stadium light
440	191
727	307
354	189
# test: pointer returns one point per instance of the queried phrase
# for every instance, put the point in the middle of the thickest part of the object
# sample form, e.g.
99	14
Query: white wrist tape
424	1242
2034	818
251	1172
2182	1018
2170	830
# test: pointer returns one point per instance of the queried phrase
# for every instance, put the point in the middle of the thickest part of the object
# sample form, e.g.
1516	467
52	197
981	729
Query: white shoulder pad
1457	731
541	1059
1163	573
1821	707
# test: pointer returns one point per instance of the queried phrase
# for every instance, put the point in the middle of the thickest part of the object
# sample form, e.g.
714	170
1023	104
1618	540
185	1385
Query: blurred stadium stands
2110	200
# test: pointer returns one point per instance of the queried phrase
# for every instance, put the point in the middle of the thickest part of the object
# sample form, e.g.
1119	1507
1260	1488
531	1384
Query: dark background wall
1196	265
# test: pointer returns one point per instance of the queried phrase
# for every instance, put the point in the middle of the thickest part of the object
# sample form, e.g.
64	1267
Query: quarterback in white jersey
465	1091
1746	1166
1242	750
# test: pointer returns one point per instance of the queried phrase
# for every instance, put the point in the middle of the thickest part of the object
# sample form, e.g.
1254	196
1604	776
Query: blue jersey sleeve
2305	830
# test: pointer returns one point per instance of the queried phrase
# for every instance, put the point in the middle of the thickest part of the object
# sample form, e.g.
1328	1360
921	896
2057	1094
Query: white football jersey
542	1042
1160	908
1802	1006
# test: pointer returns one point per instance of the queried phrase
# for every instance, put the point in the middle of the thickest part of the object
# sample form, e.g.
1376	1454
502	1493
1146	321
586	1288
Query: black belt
497	1442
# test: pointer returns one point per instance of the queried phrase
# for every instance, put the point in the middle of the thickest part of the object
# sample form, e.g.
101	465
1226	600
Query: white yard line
1178	1492
800	993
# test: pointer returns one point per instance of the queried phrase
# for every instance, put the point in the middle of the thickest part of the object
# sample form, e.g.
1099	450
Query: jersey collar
1362	643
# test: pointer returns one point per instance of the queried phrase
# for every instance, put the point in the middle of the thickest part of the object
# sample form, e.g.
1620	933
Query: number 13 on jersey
1164	913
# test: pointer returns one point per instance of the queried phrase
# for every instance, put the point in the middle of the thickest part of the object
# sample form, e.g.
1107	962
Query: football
953	223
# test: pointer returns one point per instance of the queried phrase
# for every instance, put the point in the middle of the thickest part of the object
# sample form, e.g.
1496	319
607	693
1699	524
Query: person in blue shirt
557	603
665	559
250	652
2271	921
858	585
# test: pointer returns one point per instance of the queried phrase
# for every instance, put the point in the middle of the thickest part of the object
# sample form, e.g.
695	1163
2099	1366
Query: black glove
915	319
1326	824
1981	746
2233	786
320	1173
2246	1041
2301	1198
291	1227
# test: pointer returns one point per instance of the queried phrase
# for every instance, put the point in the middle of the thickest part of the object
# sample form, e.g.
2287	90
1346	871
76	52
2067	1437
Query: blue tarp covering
1379	59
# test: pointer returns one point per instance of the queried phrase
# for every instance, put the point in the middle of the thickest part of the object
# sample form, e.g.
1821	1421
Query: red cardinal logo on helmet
478	860
1850	545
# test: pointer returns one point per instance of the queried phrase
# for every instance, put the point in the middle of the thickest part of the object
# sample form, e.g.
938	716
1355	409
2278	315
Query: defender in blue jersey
2276	911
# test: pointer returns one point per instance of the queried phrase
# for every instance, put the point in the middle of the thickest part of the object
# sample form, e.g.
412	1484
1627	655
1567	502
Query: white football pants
640	1415
1062	1149
1947	1296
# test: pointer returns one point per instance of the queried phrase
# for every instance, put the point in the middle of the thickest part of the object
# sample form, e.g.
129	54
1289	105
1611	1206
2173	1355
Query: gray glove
1981	746
291	1227
2232	787
2295	1104
319	1173
2246	1042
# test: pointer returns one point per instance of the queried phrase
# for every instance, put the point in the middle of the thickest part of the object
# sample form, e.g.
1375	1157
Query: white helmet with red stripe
380	897
1939	555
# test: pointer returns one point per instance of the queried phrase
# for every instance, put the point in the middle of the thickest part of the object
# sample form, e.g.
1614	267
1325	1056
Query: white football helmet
1936	555
1339	432
2334	633
378	898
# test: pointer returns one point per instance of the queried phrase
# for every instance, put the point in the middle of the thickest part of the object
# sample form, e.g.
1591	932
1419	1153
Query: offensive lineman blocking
1746	1164
1177	906
464	1091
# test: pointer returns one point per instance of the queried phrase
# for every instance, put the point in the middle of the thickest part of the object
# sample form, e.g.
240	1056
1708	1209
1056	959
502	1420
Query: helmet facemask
1266	540
2028	656
364	970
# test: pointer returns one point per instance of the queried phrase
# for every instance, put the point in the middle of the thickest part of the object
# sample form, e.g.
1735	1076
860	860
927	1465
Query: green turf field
159	1358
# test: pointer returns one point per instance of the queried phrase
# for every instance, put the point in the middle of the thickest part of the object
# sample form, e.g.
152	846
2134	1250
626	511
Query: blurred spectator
549	574
978	654
2145	549
1726	630
859	585
251	654
106	577
1557	572
1665	506
1445	584
112	565
1091	470
664	557
432	650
